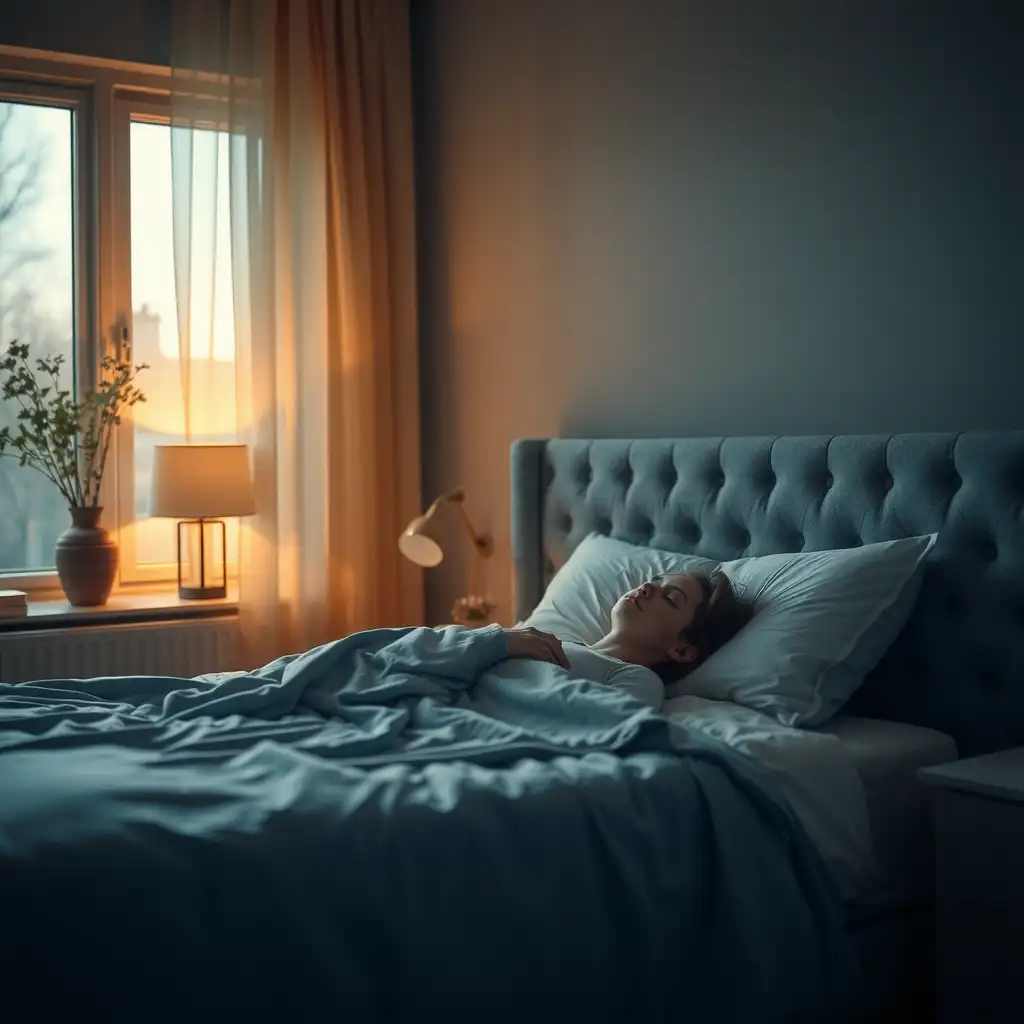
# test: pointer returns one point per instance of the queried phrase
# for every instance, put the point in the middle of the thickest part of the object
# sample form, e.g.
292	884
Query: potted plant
472	611
68	441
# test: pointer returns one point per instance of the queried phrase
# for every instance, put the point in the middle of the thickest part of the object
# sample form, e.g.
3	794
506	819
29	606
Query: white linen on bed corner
888	756
816	774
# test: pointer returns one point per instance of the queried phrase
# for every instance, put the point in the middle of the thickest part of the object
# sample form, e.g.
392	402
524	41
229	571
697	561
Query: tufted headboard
958	665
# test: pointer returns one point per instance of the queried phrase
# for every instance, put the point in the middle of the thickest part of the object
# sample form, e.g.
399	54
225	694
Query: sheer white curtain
313	101
203	279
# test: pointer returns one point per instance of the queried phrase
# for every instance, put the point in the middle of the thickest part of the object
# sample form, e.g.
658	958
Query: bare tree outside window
36	302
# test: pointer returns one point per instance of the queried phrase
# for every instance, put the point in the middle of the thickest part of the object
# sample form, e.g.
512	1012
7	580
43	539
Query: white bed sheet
852	784
888	756
815	772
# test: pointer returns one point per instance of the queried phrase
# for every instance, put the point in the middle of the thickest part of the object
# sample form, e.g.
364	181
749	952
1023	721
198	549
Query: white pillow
822	621
577	605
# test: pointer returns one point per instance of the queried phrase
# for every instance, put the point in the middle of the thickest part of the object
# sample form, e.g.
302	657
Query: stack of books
13	604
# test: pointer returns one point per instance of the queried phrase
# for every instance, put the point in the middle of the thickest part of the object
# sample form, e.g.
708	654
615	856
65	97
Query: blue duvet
399	826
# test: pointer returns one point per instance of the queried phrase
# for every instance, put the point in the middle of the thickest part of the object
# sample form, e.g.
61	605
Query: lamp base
202	569
202	593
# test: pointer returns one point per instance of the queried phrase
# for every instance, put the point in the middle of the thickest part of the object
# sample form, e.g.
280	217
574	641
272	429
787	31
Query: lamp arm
483	543
434	506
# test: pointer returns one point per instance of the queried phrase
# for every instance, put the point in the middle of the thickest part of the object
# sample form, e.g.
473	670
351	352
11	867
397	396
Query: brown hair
717	619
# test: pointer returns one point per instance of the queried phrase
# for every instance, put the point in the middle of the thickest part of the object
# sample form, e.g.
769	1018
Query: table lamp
200	485
420	544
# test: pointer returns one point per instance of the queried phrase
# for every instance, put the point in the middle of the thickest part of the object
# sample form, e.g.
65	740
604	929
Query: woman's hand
535	645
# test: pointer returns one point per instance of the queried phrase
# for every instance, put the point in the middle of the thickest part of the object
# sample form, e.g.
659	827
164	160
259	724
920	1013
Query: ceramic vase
87	559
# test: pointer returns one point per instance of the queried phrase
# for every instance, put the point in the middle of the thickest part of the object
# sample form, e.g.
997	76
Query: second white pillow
822	621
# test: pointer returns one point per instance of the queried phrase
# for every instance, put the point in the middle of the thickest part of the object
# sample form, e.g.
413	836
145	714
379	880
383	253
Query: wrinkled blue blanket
402	825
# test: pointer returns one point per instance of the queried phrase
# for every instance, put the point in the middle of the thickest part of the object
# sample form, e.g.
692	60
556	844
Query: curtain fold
203	303
314	100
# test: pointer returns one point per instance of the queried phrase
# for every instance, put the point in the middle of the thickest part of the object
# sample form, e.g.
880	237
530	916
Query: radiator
182	648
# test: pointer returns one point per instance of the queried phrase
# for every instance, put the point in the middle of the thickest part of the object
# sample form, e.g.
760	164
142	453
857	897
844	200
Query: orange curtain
316	96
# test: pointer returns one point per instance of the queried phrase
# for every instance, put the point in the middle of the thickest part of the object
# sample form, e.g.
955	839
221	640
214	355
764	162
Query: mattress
887	756
852	784
813	771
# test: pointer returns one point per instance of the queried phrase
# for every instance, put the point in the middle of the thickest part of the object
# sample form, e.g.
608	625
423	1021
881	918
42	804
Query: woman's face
653	615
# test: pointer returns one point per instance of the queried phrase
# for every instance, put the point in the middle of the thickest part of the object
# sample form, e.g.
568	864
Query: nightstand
979	878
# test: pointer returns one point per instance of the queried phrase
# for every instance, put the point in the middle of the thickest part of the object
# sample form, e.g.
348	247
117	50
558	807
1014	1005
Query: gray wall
700	217
135	30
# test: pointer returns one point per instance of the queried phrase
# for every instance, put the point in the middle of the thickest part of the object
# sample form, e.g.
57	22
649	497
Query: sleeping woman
659	632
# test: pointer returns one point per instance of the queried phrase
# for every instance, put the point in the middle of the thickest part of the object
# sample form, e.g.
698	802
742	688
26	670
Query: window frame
106	95
126	107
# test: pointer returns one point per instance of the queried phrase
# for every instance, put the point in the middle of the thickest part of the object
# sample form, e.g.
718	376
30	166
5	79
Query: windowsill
155	606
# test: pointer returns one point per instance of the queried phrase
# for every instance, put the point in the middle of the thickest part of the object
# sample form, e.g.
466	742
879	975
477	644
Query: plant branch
44	461
56	456
103	462
33	463
70	475
66	441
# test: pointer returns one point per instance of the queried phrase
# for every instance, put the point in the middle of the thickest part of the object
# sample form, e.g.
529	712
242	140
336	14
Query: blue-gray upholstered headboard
959	664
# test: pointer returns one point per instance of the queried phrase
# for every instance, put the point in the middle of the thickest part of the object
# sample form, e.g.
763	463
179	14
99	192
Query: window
156	332
87	259
38	188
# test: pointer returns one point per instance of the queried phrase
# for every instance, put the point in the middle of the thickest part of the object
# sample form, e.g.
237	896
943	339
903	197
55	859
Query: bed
406	823
949	683
403	823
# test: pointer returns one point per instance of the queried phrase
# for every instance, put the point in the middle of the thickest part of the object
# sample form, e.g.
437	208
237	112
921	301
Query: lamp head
201	481
418	546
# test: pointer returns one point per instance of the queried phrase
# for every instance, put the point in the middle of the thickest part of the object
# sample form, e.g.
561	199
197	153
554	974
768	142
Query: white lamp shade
201	481
420	549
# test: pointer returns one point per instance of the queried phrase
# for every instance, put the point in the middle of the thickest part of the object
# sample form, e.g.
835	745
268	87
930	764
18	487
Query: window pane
37	304
158	339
